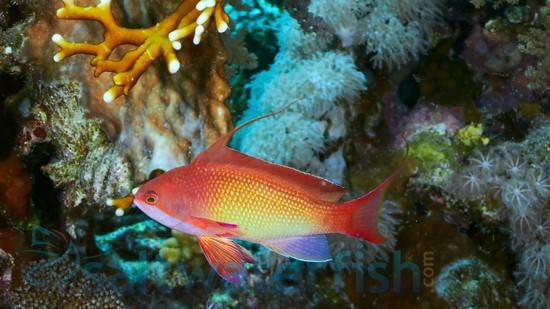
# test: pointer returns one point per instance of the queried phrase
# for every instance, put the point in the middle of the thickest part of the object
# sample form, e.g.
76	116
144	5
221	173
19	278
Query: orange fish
225	195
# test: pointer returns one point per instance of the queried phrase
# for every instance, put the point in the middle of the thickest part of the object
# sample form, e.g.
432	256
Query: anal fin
226	257
312	248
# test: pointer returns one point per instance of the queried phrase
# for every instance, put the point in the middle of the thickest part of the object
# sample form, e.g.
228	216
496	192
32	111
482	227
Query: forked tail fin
363	214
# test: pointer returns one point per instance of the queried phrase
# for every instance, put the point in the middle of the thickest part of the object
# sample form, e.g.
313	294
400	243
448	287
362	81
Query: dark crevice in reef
12	12
45	197
9	85
409	91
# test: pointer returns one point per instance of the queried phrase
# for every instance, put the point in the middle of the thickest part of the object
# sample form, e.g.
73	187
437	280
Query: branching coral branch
192	17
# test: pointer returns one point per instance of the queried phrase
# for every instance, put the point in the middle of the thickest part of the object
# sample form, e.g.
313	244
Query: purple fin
312	248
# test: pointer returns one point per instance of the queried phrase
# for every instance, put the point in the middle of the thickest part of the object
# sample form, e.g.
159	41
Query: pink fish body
224	195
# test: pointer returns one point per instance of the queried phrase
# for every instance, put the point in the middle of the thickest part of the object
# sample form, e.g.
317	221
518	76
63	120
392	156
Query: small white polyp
108	97
174	66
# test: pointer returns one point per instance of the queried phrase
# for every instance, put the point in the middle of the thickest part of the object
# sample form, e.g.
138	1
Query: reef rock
6	264
163	122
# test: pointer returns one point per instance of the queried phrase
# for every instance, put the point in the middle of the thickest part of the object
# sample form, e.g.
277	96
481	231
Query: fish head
159	197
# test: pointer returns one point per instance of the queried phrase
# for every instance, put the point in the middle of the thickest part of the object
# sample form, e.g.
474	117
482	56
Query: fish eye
151	197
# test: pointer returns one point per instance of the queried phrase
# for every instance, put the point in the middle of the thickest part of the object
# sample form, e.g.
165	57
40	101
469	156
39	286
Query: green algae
472	135
435	154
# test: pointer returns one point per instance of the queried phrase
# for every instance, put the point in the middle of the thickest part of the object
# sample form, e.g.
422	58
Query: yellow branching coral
121	204
190	19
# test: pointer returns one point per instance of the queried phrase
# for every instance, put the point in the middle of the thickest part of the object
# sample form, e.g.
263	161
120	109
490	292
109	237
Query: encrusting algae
192	17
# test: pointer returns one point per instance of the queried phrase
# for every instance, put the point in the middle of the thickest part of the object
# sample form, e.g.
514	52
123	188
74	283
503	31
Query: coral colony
190	19
447	100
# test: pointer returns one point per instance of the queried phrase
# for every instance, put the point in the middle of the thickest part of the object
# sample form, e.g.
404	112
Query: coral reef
169	121
86	165
6	264
435	153
180	247
517	173
190	18
461	85
307	87
61	283
536	43
468	283
382	26
472	135
133	251
496	3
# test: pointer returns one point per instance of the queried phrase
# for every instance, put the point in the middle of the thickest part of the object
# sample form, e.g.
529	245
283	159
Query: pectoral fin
226	257
312	248
214	228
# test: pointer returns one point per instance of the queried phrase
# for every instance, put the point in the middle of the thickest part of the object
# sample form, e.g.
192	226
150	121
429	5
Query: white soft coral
309	86
313	88
289	139
390	41
395	31
343	17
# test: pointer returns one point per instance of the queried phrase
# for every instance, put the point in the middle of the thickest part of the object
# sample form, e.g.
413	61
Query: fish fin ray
220	153
212	227
204	222
226	257
364	211
312	248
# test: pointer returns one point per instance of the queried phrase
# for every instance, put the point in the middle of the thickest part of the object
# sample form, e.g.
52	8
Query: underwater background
450	95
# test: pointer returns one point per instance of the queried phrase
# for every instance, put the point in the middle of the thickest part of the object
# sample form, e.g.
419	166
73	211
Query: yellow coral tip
174	66
117	79
119	212
57	38
60	12
135	190
176	45
222	27
109	96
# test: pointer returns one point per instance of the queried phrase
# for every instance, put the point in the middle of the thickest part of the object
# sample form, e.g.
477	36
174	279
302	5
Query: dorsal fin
220	153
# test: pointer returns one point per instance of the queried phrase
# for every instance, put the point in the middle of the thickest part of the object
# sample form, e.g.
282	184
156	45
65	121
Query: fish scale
256	203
